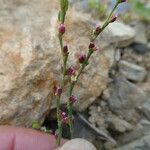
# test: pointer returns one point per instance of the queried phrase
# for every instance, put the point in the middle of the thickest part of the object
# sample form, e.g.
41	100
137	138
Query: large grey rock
124	97
132	72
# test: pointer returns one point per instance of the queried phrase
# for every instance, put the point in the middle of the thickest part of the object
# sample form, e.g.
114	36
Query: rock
124	98
140	48
132	72
30	58
109	145
119	34
140	30
140	130
119	125
146	109
140	144
76	144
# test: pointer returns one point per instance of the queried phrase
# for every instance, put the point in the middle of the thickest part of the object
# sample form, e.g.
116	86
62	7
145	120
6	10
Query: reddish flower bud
65	120
121	1
63	114
97	30
65	50
92	45
57	90
62	29
82	58
71	71
64	117
95	48
72	99
113	19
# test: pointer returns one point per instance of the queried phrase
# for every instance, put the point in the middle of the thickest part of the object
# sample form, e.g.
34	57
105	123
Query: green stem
72	84
70	111
64	58
106	23
59	122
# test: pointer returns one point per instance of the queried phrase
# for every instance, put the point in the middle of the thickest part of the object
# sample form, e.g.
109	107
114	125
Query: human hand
16	138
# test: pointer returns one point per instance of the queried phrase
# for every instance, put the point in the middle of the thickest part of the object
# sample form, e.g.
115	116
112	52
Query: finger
12	138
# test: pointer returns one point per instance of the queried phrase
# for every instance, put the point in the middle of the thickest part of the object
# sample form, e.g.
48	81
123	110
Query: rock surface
119	125
124	97
132	72
140	144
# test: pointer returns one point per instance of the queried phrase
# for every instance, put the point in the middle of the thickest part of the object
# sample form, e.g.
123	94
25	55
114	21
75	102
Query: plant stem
59	122
106	23
64	58
70	111
72	84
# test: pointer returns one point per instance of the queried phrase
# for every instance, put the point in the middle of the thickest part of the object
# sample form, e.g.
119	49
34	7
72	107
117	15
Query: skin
16	138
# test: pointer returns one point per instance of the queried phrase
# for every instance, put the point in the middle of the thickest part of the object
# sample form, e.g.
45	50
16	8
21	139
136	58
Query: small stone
140	48
79	144
132	72
109	145
146	109
119	125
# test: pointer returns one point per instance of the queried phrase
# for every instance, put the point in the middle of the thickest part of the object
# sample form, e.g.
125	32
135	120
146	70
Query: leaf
66	5
36	125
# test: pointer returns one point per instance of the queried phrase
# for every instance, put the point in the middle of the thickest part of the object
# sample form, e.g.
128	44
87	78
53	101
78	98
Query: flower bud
57	90
95	48
65	50
72	99
82	58
92	45
62	29
97	30
121	1
63	114
71	71
113	19
64	117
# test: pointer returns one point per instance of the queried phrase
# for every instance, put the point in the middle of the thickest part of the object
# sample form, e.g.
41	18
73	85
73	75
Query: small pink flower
57	90
64	117
63	114
82	58
72	99
62	29
97	30
113	19
91	45
65	50
71	71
